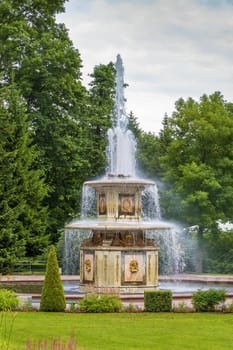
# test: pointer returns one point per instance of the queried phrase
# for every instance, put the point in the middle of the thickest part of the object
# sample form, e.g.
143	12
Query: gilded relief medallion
102	204
87	265
126	204
133	266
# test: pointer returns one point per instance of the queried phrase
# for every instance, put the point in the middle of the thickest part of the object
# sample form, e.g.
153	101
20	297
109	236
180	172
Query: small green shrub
207	300
100	303
73	307
230	307
181	307
8	300
158	301
132	308
52	297
25	304
129	308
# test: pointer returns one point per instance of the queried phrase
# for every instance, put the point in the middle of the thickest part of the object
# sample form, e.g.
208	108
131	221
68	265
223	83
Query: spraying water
150	203
121	142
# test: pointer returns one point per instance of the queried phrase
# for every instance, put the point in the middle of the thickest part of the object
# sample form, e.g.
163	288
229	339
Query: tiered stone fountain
119	256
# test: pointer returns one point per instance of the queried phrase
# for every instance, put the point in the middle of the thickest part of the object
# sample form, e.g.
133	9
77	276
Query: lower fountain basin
180	287
118	225
191	287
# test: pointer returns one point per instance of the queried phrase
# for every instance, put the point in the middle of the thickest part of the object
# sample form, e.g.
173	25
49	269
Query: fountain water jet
119	252
121	142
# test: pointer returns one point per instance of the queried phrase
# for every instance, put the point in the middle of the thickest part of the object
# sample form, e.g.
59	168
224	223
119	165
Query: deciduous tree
198	162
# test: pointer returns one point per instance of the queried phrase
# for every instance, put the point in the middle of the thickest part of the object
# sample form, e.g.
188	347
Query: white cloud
169	48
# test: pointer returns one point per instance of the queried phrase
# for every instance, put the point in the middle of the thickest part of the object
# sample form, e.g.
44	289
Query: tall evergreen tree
23	219
47	70
134	125
198	163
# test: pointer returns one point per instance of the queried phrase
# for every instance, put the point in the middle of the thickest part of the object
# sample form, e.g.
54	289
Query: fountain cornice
119	181
118	225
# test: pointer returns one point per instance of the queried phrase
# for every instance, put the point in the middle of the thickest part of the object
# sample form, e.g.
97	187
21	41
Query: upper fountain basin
118	225
119	180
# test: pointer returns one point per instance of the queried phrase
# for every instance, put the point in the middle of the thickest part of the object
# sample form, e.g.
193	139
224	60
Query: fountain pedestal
118	256
118	269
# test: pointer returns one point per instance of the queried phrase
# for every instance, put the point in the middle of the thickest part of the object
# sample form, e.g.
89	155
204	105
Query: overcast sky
170	49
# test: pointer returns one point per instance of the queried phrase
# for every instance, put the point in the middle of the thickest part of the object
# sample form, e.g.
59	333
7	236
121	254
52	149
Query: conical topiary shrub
52	297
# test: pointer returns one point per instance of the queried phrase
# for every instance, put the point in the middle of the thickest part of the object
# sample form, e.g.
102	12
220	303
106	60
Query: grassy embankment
131	331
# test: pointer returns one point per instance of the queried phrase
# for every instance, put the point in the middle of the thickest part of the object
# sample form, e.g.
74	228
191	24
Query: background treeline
192	158
53	138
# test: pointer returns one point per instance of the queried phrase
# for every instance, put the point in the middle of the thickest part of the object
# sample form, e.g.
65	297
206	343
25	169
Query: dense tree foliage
198	163
99	117
191	160
67	122
23	219
47	70
219	252
148	154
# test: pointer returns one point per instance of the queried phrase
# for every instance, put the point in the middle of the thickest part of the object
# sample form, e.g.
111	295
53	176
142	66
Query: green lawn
133	331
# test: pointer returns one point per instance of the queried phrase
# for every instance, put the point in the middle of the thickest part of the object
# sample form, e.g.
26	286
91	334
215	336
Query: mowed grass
131	331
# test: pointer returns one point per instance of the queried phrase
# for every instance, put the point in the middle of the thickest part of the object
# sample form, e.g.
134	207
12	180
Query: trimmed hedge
158	301
100	303
207	300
